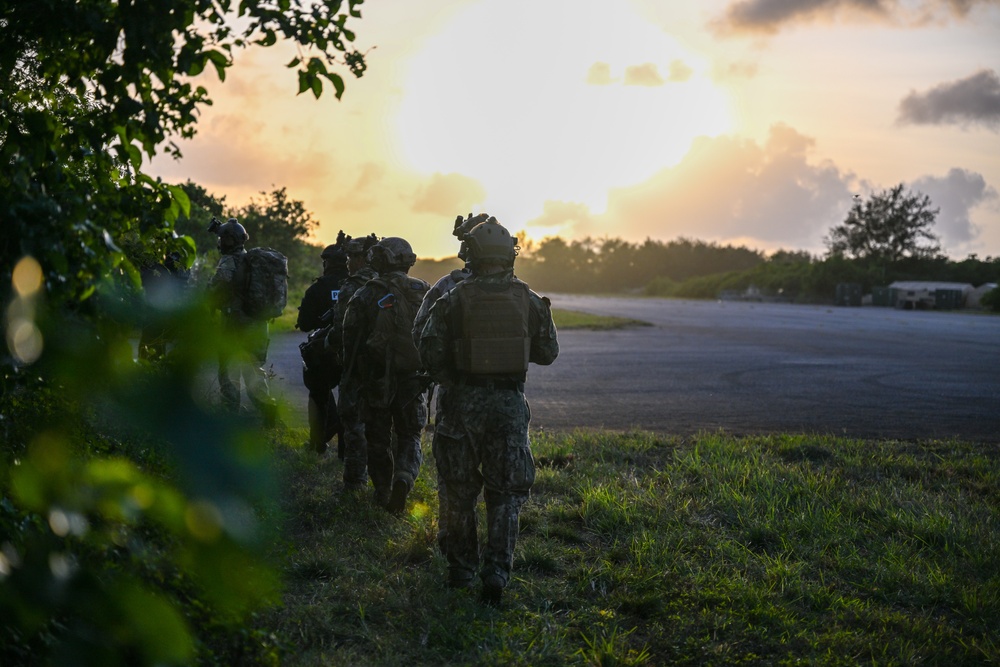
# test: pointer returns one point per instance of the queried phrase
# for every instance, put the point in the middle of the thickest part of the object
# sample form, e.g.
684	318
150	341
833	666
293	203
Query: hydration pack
390	343
265	283
496	338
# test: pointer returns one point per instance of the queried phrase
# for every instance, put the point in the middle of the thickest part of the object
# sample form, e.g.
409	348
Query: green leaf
197	66
338	83
269	39
109	243
181	197
220	61
155	626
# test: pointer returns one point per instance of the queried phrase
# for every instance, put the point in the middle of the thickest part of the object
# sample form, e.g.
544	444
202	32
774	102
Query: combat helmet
391	254
335	252
490	241
360	246
232	235
462	228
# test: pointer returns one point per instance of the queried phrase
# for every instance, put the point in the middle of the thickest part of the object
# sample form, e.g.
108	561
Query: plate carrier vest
495	334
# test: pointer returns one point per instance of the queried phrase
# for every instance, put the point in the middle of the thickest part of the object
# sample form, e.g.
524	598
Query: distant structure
927	295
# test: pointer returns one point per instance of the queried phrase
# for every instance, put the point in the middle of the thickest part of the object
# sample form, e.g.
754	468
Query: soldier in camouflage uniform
246	338
355	441
477	343
439	289
392	394
320	365
452	278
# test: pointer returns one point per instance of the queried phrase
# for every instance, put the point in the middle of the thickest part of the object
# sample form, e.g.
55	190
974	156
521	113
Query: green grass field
564	319
640	550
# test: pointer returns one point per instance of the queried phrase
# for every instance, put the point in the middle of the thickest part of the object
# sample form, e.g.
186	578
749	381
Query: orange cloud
725	189
646	74
679	71
446	193
599	74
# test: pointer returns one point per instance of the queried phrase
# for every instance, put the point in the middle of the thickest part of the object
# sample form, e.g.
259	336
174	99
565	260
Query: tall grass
637	549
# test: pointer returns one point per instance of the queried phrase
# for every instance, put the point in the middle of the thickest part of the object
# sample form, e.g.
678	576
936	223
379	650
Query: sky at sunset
750	122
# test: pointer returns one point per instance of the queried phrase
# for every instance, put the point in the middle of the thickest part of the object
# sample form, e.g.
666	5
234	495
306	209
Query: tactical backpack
391	339
495	334
265	283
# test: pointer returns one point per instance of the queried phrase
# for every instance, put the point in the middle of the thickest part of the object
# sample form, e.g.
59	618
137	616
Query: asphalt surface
757	368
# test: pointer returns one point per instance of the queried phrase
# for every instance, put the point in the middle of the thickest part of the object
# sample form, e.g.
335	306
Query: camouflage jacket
359	322
222	288
348	289
439	289
437	337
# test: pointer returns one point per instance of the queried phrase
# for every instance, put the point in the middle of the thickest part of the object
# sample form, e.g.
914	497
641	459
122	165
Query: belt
492	383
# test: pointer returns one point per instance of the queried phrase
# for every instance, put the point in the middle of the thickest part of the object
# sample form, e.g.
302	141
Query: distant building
929	294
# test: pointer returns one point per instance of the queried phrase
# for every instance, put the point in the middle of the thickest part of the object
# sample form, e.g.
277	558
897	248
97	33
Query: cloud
771	16
734	71
974	100
558	216
679	71
228	157
364	195
956	194
646	74
768	195
599	74
446	193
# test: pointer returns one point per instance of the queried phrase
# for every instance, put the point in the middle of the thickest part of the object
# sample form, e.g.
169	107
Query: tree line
885	237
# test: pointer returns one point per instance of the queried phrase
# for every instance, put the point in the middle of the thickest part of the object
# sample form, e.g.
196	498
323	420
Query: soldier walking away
477	343
354	439
248	288
321	368
452	278
378	327
439	289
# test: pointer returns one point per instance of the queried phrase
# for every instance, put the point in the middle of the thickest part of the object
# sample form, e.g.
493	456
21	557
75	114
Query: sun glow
554	101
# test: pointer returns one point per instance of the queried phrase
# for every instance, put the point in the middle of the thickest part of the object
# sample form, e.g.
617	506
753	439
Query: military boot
400	490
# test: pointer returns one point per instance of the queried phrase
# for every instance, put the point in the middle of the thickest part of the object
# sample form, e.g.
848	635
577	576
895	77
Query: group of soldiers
387	342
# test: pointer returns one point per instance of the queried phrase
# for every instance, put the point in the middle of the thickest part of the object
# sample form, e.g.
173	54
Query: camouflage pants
245	360
355	439
393	436
481	443
324	418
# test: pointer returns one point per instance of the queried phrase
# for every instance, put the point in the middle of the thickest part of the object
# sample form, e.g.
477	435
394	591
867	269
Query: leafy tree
194	224
128	508
889	226
991	300
87	88
277	221
282	223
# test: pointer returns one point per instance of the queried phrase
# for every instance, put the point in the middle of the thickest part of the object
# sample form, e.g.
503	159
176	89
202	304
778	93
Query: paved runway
750	368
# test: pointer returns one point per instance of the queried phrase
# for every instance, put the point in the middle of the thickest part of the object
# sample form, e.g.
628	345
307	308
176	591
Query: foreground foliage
642	550
90	89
